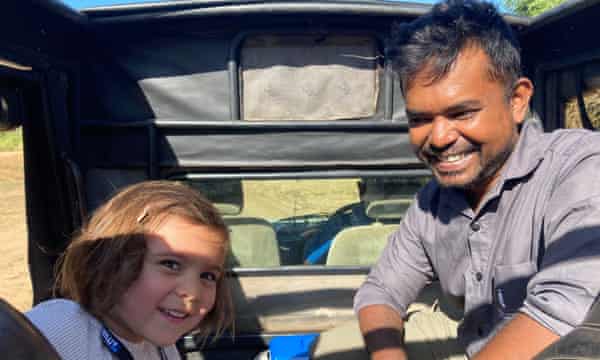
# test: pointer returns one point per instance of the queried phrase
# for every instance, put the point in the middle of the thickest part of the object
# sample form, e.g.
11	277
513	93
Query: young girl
145	270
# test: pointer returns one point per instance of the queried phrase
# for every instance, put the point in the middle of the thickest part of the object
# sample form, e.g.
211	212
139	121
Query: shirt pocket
510	286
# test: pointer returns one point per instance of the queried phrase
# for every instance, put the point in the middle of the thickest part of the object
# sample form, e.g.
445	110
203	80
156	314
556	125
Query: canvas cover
307	77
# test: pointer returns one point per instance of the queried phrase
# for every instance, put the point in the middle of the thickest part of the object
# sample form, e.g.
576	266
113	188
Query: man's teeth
452	158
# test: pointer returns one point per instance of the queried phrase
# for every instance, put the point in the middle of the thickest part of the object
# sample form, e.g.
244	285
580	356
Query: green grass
11	140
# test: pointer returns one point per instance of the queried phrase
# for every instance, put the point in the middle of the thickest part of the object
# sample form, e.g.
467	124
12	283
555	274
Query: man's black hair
436	38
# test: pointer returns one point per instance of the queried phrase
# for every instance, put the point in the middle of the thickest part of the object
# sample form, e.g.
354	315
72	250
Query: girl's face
176	287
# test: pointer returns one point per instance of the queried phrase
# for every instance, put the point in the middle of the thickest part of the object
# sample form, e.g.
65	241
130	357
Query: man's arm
521	338
381	327
393	283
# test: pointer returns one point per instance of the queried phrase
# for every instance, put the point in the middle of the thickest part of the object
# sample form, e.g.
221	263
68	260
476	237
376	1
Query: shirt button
478	276
475	226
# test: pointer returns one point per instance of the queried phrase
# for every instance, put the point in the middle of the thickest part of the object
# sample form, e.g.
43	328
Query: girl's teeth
175	314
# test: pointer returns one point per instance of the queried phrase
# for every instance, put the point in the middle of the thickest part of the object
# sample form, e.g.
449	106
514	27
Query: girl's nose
189	290
192	299
189	304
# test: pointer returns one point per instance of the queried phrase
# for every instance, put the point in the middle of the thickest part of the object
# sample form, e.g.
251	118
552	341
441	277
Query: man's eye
171	265
208	276
417	121
463	115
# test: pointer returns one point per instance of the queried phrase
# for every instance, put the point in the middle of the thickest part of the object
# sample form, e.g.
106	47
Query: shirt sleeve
402	270
568	278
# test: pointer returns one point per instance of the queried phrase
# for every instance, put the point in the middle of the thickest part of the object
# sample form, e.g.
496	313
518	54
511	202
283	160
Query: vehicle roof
164	10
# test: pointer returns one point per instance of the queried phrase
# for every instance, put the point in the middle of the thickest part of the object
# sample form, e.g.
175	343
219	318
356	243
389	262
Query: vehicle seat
21	340
253	242
361	245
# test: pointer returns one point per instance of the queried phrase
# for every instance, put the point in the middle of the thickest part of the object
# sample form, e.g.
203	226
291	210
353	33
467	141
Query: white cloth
75	334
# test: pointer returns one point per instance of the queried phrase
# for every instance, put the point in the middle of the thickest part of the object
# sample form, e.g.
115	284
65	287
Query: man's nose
443	133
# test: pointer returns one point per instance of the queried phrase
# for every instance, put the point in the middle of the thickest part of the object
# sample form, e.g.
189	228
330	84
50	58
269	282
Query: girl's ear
519	99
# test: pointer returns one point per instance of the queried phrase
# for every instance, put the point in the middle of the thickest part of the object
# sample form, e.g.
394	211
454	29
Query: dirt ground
15	285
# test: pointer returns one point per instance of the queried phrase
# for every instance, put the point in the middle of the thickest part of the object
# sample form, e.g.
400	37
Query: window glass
332	221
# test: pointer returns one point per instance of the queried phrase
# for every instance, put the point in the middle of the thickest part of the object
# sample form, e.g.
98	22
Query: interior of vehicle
19	339
286	115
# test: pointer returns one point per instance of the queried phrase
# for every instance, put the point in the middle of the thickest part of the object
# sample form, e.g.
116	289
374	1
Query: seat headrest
228	209
388	209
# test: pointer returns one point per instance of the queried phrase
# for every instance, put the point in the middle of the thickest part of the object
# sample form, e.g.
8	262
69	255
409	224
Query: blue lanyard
118	349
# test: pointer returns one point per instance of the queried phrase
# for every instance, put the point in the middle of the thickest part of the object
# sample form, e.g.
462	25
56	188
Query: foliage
531	7
11	140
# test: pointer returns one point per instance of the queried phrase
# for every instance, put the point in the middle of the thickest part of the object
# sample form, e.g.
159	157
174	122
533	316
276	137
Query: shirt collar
527	154
456	200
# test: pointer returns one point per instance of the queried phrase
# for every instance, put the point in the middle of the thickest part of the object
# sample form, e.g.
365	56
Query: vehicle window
302	77
582	97
294	222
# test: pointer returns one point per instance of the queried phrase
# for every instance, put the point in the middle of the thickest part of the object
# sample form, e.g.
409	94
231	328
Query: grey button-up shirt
533	246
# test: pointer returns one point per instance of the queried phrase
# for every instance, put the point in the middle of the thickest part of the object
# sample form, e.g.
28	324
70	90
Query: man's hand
382	327
521	338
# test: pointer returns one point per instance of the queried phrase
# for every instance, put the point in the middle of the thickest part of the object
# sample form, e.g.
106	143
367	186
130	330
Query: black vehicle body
111	96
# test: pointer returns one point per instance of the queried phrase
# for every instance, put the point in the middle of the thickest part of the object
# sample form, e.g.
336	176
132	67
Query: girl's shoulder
68	327
59	312
56	304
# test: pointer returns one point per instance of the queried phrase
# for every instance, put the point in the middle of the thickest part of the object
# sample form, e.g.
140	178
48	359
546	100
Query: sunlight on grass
11	140
276	199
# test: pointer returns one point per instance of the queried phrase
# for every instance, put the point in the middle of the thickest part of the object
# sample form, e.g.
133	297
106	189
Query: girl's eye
171	265
208	276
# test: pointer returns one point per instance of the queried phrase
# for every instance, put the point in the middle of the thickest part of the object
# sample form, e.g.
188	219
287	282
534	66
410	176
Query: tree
531	7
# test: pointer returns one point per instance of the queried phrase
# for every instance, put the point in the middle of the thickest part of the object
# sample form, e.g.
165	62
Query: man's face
463	126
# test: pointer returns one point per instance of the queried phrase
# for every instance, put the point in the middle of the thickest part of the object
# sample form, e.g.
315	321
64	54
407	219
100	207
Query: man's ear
519	99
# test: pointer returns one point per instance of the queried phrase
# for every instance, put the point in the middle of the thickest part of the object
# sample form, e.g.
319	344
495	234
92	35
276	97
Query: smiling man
510	223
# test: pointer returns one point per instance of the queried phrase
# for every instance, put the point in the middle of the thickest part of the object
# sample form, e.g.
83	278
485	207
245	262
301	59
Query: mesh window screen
590	96
309	77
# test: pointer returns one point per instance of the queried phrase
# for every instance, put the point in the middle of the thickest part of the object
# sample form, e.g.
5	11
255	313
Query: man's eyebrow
416	114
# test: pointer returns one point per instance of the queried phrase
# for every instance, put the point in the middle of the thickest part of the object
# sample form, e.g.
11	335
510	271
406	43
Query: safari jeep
286	114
